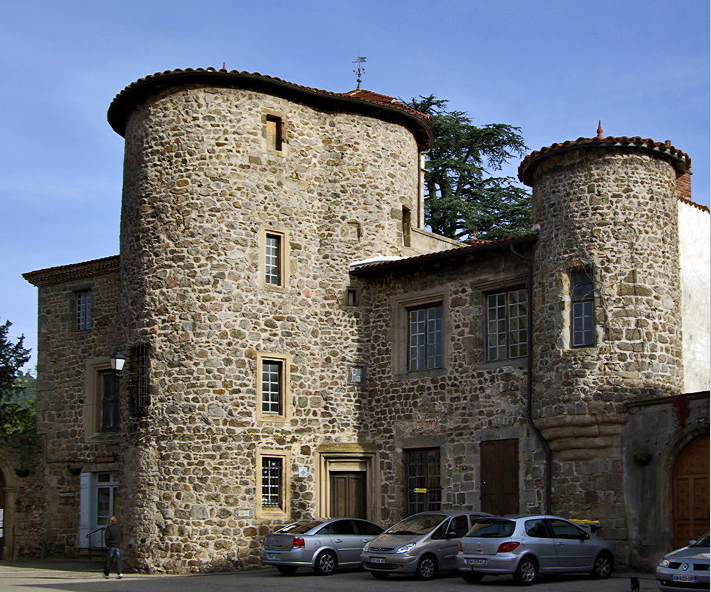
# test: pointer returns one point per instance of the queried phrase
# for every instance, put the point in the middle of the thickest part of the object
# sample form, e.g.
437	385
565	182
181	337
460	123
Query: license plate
376	559
273	555
688	579
475	561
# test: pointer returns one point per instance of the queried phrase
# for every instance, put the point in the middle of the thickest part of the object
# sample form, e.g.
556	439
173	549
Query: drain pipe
548	476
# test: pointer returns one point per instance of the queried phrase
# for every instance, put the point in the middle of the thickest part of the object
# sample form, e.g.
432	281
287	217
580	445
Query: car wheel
287	570
426	568
379	575
602	568
526	571
473	577
325	563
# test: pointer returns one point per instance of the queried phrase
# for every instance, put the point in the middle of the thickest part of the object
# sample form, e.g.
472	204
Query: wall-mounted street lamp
117	361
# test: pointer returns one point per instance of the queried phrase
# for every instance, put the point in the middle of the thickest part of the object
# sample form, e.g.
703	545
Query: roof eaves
75	271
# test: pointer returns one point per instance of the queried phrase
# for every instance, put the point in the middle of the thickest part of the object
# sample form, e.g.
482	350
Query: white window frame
510	309
282	508
84	302
284	391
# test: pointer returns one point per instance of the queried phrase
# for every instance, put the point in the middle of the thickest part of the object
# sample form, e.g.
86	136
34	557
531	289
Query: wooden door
691	492
348	495
499	476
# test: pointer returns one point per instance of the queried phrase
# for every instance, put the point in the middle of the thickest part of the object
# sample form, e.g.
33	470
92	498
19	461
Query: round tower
245	200
606	310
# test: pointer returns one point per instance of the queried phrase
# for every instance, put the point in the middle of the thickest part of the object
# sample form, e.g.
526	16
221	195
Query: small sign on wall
303	472
244	513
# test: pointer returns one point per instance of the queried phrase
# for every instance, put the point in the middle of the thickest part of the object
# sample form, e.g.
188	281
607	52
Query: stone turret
245	200
606	305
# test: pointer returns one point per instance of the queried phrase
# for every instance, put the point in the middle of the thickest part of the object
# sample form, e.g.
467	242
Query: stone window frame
283	509
285	386
276	143
517	287
283	258
92	404
566	282
400	331
83	306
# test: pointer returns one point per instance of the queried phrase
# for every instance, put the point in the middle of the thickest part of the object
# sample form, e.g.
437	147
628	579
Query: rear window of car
299	527
493	529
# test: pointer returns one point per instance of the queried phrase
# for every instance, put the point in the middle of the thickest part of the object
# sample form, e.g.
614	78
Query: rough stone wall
24	496
199	187
62	359
615	213
456	407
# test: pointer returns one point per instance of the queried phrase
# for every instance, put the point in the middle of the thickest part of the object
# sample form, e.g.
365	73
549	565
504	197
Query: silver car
420	545
526	546
323	545
685	569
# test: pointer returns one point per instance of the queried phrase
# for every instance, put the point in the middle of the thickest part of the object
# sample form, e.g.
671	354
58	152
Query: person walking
112	539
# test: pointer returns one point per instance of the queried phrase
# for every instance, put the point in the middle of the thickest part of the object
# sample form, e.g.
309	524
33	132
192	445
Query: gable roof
73	272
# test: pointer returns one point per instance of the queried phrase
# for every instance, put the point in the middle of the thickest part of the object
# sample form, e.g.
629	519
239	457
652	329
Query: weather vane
359	60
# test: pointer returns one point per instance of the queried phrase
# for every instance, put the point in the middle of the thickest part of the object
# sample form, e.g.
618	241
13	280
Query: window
140	386
422	480
272	482
507	324
83	308
109	406
351	297
273	387
274	132
274	255
357	375
406	227
582	308
424	338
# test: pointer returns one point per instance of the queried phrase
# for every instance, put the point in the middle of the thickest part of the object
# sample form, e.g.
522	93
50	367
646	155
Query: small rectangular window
83	308
272	387
582	308
425	338
109	407
273	260
272	482
507	324
274	132
351	297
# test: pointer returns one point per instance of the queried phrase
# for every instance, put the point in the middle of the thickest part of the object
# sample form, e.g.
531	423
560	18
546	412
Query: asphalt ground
85	576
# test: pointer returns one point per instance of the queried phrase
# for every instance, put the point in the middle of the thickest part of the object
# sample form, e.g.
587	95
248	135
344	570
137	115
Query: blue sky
551	67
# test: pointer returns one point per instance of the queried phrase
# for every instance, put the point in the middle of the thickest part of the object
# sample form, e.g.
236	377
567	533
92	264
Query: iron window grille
422	480
272	470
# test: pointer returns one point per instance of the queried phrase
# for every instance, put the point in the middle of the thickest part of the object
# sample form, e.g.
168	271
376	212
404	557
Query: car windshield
417	524
299	527
492	529
702	542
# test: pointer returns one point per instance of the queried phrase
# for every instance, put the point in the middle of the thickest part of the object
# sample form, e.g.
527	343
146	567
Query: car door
346	541
541	543
446	539
572	545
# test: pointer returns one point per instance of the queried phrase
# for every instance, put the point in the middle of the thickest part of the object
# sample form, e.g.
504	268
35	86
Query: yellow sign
420	490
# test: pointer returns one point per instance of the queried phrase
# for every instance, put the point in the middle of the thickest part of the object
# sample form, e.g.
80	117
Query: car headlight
366	549
664	563
405	548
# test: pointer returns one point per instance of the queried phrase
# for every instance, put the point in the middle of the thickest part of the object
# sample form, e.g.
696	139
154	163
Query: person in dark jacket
112	539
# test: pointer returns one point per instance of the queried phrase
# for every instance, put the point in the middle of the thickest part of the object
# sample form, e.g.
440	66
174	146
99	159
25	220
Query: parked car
323	545
526	546
685	569
420	545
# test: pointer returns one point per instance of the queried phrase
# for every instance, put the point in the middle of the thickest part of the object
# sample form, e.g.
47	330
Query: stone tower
245	200
606	306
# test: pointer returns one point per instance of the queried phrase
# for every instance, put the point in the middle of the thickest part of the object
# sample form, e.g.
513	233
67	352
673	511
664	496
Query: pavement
52	575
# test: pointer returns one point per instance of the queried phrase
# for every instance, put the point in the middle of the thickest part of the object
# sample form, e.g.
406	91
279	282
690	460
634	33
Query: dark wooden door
348	495
499	476
691	492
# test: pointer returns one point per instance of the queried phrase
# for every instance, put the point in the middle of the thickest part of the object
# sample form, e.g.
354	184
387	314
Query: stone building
298	345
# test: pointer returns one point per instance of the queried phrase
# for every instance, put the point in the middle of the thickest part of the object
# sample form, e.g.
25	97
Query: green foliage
462	199
17	390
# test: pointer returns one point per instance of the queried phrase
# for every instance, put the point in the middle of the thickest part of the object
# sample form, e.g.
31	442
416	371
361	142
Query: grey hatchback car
420	545
322	545
685	569
526	546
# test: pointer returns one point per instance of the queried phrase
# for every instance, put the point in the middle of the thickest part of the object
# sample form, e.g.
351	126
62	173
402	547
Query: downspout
548	478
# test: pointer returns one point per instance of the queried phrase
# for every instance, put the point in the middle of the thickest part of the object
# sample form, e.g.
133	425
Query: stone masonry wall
199	188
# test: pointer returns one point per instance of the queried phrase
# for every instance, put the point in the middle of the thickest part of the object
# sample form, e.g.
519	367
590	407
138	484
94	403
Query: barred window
272	386
582	308
83	309
422	480
424	338
140	380
272	482
507	324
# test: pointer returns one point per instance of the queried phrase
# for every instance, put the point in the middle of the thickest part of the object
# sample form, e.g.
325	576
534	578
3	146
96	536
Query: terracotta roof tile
680	160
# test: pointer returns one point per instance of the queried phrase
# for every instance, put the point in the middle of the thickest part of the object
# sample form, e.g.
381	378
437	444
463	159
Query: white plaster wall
694	251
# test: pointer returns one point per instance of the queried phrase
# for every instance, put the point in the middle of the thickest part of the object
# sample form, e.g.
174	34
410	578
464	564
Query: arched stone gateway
690	486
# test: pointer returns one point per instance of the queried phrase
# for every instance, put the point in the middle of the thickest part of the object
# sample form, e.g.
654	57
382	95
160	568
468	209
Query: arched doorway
690	486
